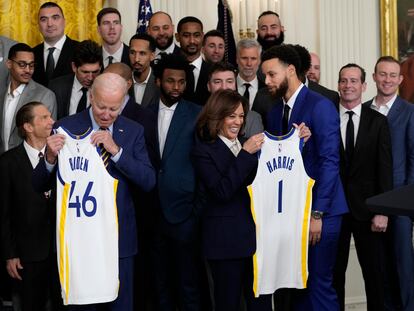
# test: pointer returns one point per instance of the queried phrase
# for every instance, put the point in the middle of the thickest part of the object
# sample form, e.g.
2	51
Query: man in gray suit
20	90
223	76
141	54
5	45
400	114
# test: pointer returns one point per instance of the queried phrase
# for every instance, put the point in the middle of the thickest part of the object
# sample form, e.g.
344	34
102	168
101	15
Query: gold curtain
18	19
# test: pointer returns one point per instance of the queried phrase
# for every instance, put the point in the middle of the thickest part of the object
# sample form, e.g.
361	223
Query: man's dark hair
188	19
105	11
305	60
170	61
352	65
212	33
388	59
221	67
146	37
87	52
286	54
268	13
25	115
19	47
50	4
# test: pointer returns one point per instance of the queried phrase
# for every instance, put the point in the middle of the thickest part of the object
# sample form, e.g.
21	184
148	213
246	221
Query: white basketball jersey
281	203
86	223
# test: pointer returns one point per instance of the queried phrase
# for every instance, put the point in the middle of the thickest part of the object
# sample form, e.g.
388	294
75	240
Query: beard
266	44
281	90
137	73
169	42
168	99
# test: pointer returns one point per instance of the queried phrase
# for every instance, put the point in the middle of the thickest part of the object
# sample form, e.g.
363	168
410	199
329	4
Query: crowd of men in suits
356	151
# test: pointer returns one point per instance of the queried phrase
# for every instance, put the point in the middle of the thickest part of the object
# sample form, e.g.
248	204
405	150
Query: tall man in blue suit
280	66
400	115
124	140
176	231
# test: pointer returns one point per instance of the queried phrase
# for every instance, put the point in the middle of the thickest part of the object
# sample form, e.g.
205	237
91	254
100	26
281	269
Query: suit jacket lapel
149	91
395	110
22	100
177	122
361	136
298	107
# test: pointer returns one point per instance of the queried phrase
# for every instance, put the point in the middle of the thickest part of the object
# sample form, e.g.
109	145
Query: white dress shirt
56	53
117	56
139	88
292	99
197	68
33	153
384	109
254	87
234	145
168	50
10	103
76	95
165	115
356	118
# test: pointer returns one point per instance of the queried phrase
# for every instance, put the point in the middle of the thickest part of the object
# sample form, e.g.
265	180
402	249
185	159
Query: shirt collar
77	85
18	91
95	125
292	99
117	55
198	62
356	110
164	107
388	104
145	81
253	84
58	45
168	50
33	152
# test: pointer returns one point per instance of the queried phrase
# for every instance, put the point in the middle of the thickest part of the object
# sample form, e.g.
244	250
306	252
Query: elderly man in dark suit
53	57
110	30
72	90
20	90
400	114
141	54
26	218
366	170
123	139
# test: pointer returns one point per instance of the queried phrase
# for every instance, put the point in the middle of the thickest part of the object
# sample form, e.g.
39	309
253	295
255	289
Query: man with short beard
161	28
270	31
141	54
281	66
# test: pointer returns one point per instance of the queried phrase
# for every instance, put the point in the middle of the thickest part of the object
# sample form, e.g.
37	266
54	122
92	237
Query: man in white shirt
400	114
26	221
53	57
161	28
141	54
365	170
72	90
190	35
110	30
20	90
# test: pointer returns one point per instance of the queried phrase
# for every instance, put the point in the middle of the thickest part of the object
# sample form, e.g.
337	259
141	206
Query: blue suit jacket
228	229
321	152
401	123
132	168
175	173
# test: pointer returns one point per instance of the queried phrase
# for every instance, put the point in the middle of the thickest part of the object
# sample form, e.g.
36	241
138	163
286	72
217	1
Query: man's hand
304	131
315	231
54	144
379	223
12	266
105	138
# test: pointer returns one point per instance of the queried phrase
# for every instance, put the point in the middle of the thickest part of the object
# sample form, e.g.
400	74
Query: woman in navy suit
226	164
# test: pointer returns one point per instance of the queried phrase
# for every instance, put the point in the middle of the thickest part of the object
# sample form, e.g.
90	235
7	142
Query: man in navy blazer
176	239
281	66
400	115
124	140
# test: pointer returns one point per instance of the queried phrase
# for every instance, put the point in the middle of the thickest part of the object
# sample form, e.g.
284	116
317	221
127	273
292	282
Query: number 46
85	199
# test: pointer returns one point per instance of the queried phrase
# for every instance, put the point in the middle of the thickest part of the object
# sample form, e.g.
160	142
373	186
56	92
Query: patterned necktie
105	155
50	63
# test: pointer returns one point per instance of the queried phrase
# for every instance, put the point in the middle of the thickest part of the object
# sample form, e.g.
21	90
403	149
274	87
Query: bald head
314	72
109	83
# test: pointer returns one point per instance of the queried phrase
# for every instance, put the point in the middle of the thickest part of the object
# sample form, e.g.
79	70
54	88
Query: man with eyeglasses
20	90
72	90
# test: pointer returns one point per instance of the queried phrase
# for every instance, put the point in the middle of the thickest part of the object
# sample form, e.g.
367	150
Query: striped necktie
105	155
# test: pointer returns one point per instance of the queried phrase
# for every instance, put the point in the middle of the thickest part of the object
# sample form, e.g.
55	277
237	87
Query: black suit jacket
63	65
26	215
263	103
370	171
329	94
201	94
62	87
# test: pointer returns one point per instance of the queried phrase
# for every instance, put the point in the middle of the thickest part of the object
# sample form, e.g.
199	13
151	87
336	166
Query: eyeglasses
23	64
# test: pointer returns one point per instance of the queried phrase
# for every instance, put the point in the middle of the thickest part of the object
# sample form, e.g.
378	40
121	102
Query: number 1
279	203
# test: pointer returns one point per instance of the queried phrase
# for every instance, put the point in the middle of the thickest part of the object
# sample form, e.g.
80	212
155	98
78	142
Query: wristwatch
316	214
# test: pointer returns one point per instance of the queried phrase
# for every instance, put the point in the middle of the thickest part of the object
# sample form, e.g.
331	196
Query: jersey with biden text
86	223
